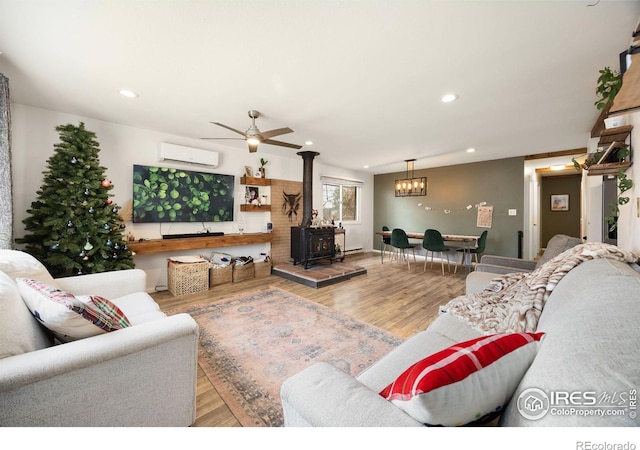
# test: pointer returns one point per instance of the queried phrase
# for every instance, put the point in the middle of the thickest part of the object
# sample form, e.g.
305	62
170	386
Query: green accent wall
499	183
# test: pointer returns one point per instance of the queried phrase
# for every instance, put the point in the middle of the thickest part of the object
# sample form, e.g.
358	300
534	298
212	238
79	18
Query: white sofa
590	348
142	375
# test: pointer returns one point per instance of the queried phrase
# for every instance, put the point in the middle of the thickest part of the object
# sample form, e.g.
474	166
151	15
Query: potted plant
263	163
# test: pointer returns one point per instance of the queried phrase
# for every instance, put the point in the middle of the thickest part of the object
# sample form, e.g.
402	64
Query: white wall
629	218
628	221
592	194
33	137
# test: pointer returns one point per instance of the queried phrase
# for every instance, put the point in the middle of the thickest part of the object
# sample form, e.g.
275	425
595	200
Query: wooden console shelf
172	245
255	208
251	181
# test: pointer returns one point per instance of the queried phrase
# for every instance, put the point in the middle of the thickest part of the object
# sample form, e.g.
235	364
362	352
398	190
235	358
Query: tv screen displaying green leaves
163	194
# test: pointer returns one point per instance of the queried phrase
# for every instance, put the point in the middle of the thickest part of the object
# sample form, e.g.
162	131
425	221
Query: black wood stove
310	244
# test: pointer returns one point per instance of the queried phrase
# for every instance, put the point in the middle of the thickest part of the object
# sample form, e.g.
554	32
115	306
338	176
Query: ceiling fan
254	136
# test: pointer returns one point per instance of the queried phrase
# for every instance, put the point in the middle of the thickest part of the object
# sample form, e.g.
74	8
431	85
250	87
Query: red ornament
106	183
109	201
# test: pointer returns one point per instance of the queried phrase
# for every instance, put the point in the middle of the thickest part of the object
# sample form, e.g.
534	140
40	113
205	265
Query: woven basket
244	272
263	269
220	274
187	278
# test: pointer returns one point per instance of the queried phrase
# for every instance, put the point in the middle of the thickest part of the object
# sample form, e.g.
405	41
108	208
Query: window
341	199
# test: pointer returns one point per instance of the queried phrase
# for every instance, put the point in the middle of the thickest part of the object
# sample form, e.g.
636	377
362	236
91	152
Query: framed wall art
560	202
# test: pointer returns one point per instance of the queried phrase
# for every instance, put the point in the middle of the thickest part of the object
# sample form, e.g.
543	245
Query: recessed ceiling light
448	98
308	143
128	93
366	166
471	150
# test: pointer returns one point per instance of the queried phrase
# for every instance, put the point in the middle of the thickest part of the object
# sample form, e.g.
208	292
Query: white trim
341	180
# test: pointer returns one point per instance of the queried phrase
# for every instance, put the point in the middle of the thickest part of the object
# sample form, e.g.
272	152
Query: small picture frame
560	202
248	171
253	193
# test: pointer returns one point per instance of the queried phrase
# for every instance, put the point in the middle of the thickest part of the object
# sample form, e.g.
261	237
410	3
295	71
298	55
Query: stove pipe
307	186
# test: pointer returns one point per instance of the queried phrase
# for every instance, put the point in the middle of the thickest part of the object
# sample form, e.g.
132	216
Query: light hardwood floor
388	296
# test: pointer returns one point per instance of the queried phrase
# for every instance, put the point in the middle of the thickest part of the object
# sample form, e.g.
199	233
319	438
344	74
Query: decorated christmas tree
73	226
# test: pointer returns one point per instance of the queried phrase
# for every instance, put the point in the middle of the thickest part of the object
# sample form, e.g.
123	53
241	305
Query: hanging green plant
624	184
609	83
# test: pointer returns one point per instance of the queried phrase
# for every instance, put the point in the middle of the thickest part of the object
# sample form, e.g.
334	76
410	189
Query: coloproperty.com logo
534	403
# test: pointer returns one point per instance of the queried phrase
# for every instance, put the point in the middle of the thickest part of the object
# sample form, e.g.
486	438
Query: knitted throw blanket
514	302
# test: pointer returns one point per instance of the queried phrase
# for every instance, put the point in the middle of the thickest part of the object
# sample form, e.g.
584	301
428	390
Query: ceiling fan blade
229	128
281	144
228	139
253	148
278	132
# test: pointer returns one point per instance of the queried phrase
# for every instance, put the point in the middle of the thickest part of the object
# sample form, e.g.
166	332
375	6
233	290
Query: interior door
560	206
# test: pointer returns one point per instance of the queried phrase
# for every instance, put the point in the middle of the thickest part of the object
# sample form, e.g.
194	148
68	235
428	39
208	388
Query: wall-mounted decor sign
485	216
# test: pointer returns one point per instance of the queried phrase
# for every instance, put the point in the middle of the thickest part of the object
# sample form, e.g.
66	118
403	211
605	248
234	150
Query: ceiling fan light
253	141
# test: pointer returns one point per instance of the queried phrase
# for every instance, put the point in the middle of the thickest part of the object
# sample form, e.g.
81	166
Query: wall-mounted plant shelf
252	181
610	163
608	168
255	208
610	135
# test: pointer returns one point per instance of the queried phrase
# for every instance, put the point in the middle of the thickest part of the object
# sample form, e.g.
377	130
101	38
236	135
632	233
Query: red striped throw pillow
68	317
465	382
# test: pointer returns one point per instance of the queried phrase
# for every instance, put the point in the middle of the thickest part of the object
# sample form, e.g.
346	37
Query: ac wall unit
179	153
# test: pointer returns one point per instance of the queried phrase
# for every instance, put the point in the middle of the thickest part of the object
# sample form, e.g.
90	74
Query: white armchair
142	375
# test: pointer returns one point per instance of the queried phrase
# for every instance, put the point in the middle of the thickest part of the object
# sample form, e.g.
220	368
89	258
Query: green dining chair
400	243
433	242
482	243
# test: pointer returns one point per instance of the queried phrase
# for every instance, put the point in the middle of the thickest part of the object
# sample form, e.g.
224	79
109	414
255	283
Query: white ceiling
361	79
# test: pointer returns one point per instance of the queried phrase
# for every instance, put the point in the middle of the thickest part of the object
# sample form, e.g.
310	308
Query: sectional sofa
585	370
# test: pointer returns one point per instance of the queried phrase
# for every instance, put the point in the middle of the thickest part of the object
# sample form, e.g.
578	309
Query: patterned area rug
251	343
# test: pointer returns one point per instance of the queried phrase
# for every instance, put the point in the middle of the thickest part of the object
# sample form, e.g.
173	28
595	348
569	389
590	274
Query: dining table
466	241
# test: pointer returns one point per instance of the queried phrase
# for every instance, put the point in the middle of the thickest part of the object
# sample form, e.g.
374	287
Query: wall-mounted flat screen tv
164	194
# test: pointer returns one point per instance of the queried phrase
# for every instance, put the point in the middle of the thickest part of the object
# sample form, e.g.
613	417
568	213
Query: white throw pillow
466	382
19	264
19	332
68	317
